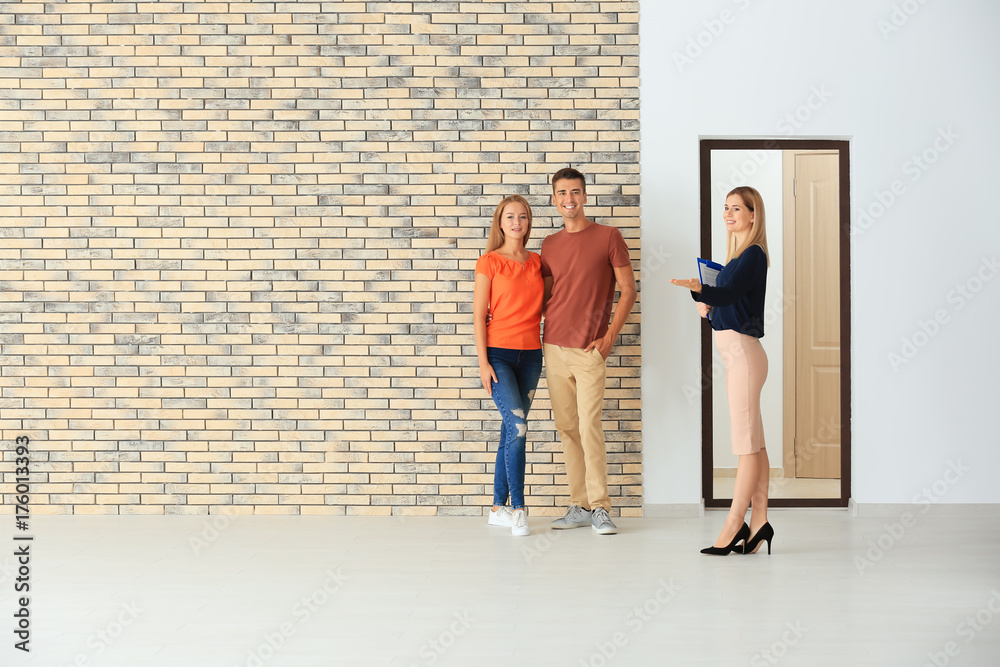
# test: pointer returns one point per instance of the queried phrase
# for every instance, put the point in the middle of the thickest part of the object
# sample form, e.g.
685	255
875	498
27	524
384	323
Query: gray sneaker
576	517
602	523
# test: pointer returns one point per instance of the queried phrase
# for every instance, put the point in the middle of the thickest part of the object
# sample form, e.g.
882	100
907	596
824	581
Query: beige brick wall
238	240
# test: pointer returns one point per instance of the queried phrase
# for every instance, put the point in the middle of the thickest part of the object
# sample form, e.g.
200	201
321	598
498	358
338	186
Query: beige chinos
576	388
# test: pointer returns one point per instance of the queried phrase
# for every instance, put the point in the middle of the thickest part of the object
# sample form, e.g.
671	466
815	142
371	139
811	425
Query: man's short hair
569	173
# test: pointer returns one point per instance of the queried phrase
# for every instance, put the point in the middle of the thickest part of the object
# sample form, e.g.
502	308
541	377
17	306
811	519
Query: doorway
806	399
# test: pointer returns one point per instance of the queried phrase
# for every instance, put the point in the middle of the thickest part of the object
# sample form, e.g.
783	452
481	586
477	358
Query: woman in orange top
509	292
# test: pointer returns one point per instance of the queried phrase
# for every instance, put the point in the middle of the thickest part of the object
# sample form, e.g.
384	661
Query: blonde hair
496	237
758	232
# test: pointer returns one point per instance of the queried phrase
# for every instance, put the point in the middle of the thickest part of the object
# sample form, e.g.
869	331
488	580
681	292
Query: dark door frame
705	196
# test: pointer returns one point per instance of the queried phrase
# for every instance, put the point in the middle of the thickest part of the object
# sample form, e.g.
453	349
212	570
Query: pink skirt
746	369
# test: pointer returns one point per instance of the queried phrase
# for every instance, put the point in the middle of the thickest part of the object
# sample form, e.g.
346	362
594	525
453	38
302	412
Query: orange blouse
516	292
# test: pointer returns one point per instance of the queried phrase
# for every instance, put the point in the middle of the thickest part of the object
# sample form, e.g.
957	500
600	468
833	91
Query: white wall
893	93
763	171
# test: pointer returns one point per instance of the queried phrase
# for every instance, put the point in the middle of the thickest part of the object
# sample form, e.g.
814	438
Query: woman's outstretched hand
691	283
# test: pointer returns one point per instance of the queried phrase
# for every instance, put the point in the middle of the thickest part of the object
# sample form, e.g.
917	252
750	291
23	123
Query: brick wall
238	240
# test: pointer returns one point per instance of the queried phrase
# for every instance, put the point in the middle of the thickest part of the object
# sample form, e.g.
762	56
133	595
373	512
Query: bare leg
758	514
747	478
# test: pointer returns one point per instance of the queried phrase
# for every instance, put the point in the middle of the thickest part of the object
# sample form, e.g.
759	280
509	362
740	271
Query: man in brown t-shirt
581	265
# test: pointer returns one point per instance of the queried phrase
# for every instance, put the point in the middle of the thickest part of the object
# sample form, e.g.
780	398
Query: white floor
299	591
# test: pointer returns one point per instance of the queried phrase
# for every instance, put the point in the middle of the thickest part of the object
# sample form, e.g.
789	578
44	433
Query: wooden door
817	316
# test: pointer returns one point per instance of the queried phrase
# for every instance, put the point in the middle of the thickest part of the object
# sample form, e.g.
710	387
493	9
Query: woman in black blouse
735	308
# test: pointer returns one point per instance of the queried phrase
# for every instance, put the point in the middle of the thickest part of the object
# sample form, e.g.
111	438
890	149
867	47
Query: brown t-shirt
583	283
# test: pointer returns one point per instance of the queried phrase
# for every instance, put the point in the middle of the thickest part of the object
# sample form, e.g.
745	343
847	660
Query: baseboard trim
883	510
673	510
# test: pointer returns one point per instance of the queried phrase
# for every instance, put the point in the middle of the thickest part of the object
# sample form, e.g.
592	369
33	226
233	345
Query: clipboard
708	271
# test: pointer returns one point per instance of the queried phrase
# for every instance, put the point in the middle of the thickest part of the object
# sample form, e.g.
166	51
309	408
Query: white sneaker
519	523
501	517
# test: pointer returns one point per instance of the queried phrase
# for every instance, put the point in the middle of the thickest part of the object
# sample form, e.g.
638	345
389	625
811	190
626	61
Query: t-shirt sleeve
546	269
617	249
485	266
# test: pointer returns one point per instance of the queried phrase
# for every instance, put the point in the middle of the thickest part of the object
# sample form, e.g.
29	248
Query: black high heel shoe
765	534
742	534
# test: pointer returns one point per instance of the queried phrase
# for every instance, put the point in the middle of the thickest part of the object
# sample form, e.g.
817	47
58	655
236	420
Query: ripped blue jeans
517	374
